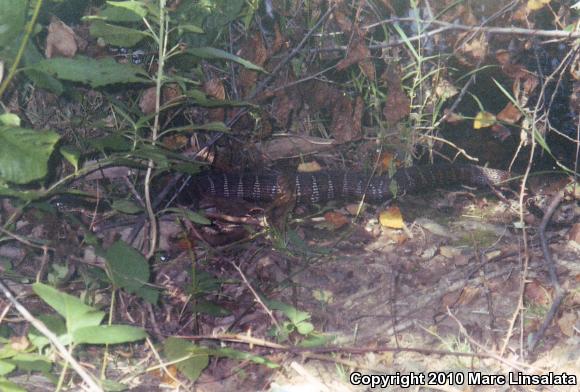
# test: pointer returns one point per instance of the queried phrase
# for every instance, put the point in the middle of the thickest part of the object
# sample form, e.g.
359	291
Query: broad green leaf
9	386
126	207
192	216
53	322
9	119
148	293
12	14
32	362
136	7
127	267
75	312
72	155
111	143
96	73
24	154
45	80
197	357
213	53
108	334
116	35
6	367
294	315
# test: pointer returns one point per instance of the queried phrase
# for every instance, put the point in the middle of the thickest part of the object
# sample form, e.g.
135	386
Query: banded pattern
320	187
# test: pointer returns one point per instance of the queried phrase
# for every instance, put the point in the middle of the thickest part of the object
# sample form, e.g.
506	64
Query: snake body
323	186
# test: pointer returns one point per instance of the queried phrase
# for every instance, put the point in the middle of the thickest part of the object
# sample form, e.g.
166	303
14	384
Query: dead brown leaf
336	219
397	105
253	50
509	114
345	126
358	53
567	322
474	51
574	233
60	40
147	101
215	89
500	132
344	23
536	294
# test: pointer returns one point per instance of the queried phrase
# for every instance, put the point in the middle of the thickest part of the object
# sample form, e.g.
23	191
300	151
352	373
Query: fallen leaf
398	104
574	233
60	40
468	295
503	57
534	5
536	294
500	132
483	120
215	89
509	114
147	101
567	322
336	219
309	167
392	217
452	117
445	89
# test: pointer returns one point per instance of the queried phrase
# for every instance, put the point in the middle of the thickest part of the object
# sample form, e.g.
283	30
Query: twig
560	292
257	296
39	325
511	364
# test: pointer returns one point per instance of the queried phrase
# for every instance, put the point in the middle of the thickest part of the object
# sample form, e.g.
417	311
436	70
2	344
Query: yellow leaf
309	167
483	120
534	5
391	217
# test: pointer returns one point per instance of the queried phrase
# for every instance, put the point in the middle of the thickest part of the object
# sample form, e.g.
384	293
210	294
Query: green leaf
213	53
128	268
32	362
192	216
12	14
8	386
197	357
6	367
116	35
212	126
210	309
96	73
10	119
298	318
72	155
75	312
114	143
126	207
148	293
135	7
108	334
24	154
189	28
243	356
45	80
54	323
